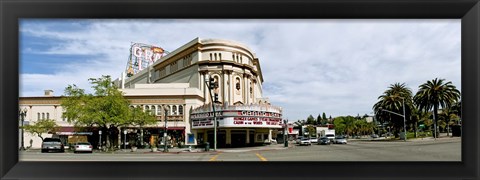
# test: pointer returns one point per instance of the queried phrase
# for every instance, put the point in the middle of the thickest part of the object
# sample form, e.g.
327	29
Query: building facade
175	85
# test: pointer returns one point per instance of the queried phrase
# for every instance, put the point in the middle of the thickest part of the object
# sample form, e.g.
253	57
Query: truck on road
329	133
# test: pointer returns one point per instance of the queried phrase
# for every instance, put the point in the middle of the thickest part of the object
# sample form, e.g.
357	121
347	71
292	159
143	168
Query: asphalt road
448	149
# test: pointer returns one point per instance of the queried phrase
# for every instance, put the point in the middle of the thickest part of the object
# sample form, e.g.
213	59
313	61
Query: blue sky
339	67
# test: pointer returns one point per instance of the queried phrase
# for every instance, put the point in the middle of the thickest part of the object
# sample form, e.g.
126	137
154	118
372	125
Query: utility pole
165	148
210	86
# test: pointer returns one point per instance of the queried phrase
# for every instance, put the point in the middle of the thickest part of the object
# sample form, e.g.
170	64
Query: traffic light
212	83
215	97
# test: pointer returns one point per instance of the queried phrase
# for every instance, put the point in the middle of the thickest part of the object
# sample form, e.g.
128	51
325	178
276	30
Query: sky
339	67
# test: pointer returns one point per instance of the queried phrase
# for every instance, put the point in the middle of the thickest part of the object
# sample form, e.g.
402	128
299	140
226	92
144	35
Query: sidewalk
442	136
202	150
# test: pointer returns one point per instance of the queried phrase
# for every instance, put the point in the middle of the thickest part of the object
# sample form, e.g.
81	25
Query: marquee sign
142	56
237	118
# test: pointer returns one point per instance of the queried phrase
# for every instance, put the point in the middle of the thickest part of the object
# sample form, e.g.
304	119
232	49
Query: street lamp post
124	139
404	119
100	141
23	113
285	131
165	148
210	88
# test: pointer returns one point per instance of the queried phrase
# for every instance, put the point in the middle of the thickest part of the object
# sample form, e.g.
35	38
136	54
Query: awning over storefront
71	131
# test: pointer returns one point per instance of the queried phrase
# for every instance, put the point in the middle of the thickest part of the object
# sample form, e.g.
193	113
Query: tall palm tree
392	100
434	94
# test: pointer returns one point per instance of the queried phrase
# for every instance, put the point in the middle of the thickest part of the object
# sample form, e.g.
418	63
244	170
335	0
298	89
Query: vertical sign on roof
142	56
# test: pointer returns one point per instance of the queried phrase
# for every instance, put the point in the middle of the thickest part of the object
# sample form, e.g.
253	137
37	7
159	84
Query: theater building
174	84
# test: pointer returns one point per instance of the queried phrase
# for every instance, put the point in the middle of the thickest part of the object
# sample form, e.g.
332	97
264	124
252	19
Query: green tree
319	119
106	108
311	120
42	126
345	124
324	116
141	118
392	100
434	94
312	131
448	117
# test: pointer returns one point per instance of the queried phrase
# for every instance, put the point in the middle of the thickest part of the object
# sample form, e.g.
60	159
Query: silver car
82	147
305	141
340	140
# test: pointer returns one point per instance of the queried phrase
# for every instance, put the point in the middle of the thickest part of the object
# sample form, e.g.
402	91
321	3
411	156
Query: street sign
422	126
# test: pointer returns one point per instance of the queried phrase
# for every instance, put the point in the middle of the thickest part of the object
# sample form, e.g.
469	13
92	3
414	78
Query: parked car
82	147
374	136
271	141
298	139
52	144
305	141
340	140
324	141
313	140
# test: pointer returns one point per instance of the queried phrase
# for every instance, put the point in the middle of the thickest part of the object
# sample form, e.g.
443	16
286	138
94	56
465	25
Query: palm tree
434	94
392	100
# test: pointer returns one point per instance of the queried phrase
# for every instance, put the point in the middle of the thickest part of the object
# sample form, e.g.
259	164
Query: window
43	115
48	115
174	109
159	111
38	117
219	56
63	117
237	84
180	110
154	109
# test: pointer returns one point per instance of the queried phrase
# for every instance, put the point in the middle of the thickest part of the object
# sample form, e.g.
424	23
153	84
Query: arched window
174	109
43	115
180	109
210	56
159	111
219	56
154	109
237	84
215	56
48	115
38	117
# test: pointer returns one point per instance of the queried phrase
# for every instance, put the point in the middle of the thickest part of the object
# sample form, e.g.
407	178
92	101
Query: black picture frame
466	10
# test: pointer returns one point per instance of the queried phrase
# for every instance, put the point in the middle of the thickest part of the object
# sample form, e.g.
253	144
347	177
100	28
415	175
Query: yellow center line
261	157
214	157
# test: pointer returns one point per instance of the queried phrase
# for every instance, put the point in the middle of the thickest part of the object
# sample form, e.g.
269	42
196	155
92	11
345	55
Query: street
445	149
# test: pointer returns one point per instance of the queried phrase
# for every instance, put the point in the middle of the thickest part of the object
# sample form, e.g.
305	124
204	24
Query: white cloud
339	67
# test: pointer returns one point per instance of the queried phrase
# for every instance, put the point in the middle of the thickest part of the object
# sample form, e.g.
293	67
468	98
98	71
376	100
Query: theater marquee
227	117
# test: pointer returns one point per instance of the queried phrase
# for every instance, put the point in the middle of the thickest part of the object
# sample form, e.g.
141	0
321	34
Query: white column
202	83
269	134
244	89
171	110
230	89
248	137
224	88
178	110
